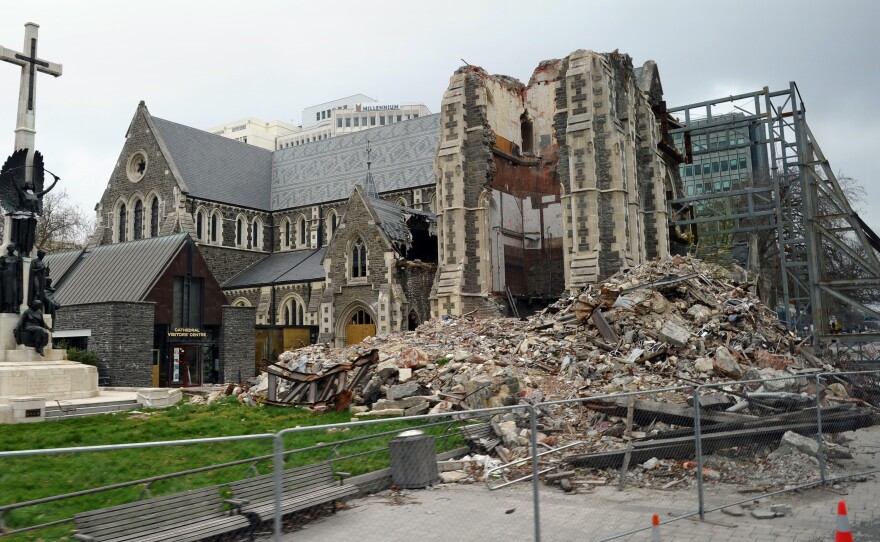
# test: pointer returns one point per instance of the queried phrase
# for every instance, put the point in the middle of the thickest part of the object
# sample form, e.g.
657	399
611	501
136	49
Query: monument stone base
26	375
22	409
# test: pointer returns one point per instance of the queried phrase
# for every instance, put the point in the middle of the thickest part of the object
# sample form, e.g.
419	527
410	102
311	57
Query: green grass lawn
28	478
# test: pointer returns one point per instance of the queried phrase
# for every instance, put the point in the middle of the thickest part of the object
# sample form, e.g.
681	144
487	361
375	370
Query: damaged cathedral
510	195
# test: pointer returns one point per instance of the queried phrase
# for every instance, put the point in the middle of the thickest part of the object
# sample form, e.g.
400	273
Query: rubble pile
666	324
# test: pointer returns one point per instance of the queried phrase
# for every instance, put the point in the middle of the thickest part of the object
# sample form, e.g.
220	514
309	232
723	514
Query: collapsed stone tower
552	185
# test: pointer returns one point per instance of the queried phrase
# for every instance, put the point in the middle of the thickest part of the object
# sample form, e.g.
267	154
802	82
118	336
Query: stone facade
561	180
416	280
123	341
382	292
538	189
124	189
236	345
225	262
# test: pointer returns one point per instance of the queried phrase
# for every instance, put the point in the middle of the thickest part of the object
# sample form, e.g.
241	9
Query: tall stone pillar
463	169
595	127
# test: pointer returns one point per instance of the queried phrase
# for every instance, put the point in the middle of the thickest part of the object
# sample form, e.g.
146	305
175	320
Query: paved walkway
471	512
465	512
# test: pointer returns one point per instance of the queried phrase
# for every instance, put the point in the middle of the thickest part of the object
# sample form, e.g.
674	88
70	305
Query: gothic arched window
200	225
293	312
138	220
154	218
239	226
123	218
358	260
332	220
257	234
214	228
303	234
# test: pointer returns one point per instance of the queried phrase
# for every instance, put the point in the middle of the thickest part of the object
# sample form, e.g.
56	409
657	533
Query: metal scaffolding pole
799	201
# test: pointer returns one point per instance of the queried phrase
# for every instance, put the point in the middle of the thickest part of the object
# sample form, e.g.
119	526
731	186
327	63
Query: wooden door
359	327
296	337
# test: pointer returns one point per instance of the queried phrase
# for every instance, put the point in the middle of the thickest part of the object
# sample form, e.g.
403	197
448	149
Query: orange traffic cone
843	532
655	529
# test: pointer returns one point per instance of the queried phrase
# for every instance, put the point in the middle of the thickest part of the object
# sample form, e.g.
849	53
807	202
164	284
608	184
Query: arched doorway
359	326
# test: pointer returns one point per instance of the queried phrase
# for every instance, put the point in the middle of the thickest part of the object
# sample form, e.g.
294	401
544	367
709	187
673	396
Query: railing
781	435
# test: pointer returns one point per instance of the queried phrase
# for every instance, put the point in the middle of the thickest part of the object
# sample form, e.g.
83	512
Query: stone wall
318	230
225	262
122	338
463	169
252	239
347	292
304	292
236	344
157	180
252	295
588	118
416	280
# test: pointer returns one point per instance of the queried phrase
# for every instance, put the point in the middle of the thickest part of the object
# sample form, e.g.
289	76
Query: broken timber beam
647	411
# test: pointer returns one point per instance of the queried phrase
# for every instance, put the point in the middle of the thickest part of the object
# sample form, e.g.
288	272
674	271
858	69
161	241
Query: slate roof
327	170
393	217
281	267
118	272
217	168
60	263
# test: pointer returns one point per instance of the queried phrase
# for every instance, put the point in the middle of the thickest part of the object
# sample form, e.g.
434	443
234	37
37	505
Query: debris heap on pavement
667	324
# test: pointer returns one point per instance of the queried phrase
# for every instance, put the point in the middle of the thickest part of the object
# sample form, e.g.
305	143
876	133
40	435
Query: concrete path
471	512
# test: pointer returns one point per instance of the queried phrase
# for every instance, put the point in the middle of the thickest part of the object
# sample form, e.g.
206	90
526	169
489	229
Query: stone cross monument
25	123
29	374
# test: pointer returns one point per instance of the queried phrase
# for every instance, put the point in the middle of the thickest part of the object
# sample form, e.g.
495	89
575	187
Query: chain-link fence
604	466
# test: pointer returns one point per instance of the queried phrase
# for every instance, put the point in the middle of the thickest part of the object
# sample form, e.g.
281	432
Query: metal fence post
819	437
536	488
277	470
698	449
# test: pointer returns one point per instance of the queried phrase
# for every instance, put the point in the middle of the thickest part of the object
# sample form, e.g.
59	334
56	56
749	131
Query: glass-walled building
722	159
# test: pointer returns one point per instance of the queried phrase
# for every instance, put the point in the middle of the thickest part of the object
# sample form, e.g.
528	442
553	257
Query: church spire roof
369	184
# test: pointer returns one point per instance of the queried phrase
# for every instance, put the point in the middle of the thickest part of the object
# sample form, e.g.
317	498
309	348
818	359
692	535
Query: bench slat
301	502
200	513
191	531
199	509
147	511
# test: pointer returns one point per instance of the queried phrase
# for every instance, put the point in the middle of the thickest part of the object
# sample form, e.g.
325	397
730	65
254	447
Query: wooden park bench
192	515
302	488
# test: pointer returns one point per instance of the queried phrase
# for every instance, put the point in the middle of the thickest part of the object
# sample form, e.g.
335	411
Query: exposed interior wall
550	185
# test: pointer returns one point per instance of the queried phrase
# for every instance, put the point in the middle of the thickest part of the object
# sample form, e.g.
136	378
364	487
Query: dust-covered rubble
667	325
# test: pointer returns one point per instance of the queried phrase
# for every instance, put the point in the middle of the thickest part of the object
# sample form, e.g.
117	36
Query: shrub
83	356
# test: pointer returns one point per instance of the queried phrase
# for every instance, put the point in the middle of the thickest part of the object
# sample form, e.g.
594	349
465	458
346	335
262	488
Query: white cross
25	130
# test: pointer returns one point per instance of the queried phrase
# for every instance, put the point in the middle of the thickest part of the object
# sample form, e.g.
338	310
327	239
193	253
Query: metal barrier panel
621	471
850	451
418	476
604	465
757	437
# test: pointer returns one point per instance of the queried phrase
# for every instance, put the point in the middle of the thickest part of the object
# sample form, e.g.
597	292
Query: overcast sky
204	63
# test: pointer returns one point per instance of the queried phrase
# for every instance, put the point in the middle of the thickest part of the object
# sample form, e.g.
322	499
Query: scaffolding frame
802	202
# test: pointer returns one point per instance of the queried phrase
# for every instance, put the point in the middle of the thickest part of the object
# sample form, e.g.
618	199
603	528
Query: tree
836	263
63	225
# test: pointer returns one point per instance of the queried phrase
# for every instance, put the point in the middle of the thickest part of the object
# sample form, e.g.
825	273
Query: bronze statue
31	329
51	305
22	199
39	272
10	281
